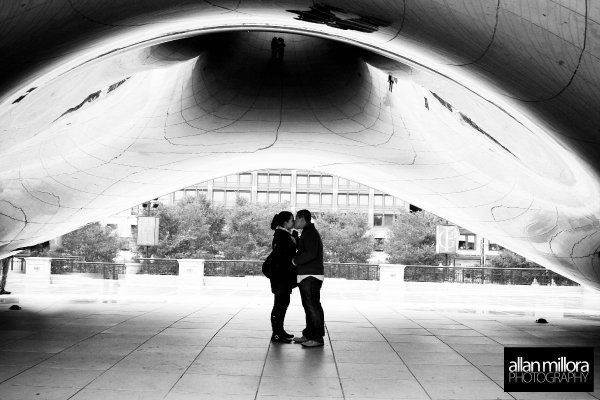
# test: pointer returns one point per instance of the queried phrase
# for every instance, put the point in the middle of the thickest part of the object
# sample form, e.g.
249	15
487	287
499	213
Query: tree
345	237
92	243
411	239
38	250
248	233
189	229
508	259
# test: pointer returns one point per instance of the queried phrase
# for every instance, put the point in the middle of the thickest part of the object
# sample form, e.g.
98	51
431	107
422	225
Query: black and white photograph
299	200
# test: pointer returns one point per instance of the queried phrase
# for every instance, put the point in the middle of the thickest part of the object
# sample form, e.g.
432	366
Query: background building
297	189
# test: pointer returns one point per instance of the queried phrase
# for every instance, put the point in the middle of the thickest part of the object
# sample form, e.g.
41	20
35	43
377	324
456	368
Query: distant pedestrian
5	262
391	82
280	48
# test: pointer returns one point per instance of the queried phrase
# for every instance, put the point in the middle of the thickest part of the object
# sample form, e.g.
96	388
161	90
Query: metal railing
484	275
104	270
158	266
17	265
232	267
351	271
64	265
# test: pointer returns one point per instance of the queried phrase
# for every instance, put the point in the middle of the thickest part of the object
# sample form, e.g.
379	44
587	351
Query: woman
283	273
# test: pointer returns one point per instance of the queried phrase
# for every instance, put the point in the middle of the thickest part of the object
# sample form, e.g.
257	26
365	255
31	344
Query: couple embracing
297	261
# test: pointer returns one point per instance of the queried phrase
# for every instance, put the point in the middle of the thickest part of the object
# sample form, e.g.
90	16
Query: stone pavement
419	341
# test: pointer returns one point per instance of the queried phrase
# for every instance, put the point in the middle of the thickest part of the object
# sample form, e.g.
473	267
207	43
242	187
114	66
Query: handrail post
38	270
191	272
391	275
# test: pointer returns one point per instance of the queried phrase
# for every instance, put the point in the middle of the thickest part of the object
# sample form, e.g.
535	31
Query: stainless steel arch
493	123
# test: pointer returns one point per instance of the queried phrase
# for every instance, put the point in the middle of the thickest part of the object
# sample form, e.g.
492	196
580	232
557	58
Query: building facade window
466	242
326	199
388	219
494	247
263	179
301	198
218	196
246	179
388	201
383	219
346	183
302	180
412	208
245	194
273	197
232	179
261	197
230	197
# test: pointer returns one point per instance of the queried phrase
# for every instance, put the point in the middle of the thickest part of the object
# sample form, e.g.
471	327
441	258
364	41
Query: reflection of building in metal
298	189
318	192
293	189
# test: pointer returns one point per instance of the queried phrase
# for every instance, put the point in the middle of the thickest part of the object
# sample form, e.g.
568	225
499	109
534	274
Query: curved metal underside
492	124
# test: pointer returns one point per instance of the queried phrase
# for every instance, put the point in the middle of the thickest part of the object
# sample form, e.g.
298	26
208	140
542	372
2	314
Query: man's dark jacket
309	258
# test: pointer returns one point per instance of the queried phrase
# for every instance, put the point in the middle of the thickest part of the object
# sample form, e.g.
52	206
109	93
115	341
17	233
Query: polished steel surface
492	123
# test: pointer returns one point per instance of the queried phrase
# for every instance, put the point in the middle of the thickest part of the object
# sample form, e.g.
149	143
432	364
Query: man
5	262
310	270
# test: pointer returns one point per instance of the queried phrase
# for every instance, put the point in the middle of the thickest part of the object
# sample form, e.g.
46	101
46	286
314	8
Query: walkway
424	341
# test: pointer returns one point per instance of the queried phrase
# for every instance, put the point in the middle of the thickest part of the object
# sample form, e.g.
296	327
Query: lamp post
148	225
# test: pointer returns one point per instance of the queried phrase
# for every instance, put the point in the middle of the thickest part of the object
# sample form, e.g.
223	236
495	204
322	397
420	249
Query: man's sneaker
301	339
280	339
313	343
4	292
287	335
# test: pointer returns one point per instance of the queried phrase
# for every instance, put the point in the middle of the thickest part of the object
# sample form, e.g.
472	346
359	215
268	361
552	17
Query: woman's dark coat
283	273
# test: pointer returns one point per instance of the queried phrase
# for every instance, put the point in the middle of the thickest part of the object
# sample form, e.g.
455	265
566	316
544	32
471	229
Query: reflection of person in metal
5	263
274	48
280	48
391	82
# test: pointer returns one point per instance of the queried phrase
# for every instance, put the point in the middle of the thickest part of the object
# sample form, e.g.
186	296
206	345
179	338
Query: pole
482	259
148	214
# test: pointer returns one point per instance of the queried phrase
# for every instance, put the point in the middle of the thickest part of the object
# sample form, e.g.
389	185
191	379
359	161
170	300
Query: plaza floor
417	341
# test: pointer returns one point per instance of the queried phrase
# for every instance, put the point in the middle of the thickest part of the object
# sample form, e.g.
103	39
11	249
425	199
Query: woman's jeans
280	306
310	293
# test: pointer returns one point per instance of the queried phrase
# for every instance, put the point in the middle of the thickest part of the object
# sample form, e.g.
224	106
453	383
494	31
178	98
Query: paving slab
215	344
